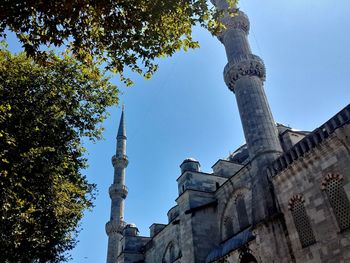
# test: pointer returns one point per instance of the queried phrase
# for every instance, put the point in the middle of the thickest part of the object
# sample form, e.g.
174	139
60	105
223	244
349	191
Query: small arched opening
248	258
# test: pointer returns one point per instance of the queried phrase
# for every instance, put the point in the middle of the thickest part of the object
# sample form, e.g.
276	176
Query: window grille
301	221
333	185
228	224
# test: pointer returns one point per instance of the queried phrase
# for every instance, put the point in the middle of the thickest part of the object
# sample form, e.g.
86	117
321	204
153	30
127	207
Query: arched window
333	185
301	221
171	253
241	212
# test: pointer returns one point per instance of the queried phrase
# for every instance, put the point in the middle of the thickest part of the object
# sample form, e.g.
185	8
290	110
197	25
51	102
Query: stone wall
156	249
226	168
304	180
190	180
131	249
237	186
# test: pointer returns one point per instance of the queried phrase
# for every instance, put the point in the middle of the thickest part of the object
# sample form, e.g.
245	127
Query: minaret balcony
114	227
247	65
120	161
118	191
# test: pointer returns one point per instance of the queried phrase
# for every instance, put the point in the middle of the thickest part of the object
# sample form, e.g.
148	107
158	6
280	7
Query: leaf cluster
121	33
44	112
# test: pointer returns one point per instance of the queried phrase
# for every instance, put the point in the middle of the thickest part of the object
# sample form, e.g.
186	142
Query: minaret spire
117	192
244	75
121	129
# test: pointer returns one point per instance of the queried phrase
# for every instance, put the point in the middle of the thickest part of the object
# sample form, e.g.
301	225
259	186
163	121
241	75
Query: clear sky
186	110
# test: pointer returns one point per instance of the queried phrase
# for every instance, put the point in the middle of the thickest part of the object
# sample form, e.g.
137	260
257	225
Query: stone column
244	74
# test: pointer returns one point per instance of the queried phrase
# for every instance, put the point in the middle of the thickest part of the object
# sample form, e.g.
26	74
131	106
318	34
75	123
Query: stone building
281	197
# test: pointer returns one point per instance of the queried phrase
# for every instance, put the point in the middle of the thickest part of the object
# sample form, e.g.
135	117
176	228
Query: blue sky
186	110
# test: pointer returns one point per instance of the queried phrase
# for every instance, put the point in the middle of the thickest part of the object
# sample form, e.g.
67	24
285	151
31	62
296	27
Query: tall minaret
244	74
117	192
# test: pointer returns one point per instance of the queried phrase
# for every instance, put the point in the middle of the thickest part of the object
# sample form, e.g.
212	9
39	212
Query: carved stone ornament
298	198
115	191
250	65
239	193
330	177
237	20
120	161
114	227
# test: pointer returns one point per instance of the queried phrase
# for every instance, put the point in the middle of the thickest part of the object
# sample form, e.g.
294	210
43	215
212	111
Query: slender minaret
117	193
244	74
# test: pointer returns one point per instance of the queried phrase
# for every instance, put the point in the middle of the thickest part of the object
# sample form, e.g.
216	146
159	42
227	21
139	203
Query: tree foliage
46	108
44	112
122	33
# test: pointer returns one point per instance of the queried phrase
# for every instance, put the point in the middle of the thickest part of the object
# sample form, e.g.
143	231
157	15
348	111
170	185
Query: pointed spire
121	129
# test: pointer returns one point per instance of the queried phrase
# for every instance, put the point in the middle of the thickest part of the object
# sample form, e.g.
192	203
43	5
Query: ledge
197	208
311	141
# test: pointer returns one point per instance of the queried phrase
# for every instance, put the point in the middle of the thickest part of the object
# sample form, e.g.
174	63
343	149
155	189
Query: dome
241	155
190	159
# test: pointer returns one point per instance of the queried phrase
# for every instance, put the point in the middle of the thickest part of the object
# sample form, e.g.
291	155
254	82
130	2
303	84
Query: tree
44	112
46	108
122	33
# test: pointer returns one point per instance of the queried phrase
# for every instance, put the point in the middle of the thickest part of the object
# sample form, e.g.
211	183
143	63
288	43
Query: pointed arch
171	253
240	193
242	215
235	216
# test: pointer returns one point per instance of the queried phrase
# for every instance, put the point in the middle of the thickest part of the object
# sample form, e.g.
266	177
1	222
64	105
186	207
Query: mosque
281	197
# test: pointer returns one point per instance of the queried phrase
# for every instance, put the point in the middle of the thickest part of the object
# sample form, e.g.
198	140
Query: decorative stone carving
295	199
330	177
237	20
114	191
239	193
114	227
250	65
120	161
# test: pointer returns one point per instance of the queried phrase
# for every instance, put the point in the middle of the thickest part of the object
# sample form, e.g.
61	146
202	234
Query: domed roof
190	159
131	225
241	155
